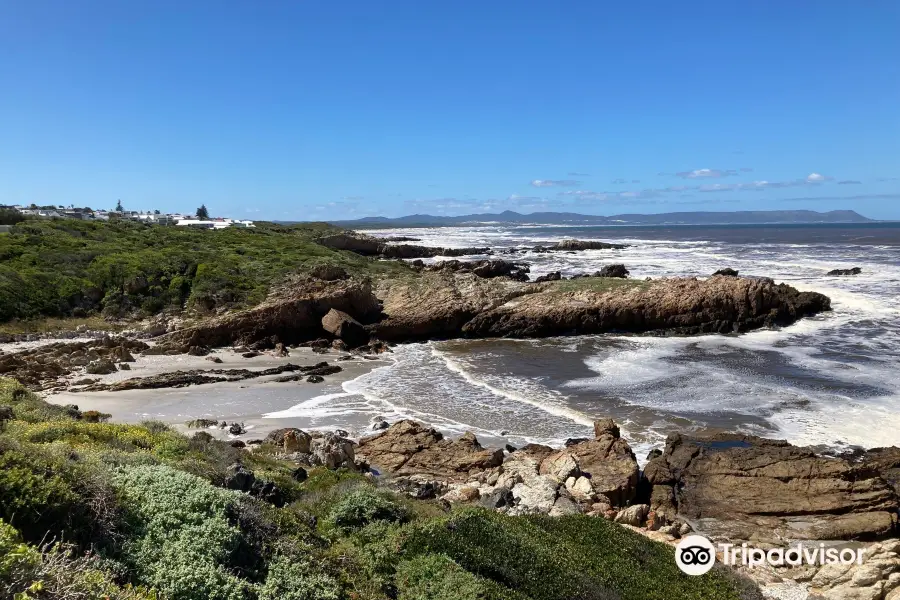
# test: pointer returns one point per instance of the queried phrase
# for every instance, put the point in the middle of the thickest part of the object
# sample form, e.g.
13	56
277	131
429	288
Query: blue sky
330	110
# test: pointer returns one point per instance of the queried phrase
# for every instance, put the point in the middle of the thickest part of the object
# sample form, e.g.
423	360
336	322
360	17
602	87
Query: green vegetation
131	512
68	268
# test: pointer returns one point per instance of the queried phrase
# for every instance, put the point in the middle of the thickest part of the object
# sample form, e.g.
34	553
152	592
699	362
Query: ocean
831	381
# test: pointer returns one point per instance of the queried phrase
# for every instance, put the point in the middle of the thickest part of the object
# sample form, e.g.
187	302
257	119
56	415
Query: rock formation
371	246
683	306
853	271
749	488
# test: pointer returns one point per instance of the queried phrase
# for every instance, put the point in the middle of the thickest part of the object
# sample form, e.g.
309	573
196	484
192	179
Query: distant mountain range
754	217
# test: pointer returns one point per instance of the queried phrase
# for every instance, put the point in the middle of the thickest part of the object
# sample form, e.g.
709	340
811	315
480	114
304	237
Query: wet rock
341	325
198	351
214	359
617	270
124	367
554	276
727	272
380	424
315	379
853	271
237	429
485	269
251	354
586	245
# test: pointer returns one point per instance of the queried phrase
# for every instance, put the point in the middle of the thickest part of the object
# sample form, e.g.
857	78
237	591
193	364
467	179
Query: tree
156	212
119	207
202	213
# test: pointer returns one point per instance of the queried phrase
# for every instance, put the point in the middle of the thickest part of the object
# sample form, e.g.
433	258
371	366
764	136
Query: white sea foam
831	379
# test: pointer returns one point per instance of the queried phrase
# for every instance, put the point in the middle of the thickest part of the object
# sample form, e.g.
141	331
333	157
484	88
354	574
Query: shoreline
233	401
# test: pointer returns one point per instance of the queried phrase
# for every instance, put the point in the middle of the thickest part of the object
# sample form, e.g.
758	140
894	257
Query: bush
362	507
181	542
566	558
437	576
57	572
291	580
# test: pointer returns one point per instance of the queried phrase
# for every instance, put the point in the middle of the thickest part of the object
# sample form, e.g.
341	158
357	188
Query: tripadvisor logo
696	555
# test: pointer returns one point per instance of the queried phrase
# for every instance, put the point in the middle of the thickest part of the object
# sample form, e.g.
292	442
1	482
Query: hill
566	218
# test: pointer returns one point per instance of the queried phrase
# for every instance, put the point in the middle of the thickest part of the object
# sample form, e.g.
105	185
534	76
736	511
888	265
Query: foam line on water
575	416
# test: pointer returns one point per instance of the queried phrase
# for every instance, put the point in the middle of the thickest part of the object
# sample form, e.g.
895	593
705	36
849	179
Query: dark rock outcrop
853	271
727	272
486	269
748	488
40	367
371	246
178	379
617	270
586	245
554	276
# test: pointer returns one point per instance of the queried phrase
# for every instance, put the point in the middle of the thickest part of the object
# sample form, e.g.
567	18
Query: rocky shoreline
730	488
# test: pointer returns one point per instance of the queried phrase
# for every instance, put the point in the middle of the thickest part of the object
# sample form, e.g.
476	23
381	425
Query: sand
245	401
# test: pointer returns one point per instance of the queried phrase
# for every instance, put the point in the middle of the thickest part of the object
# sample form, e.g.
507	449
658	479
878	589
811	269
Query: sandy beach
242	401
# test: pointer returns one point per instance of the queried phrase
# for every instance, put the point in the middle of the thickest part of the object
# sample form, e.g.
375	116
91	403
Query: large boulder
744	487
332	451
853	271
344	327
607	461
618	270
410	448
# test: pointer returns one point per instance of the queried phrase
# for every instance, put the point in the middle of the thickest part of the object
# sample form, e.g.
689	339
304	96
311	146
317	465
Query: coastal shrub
50	492
57	572
362	507
437	576
27	406
562	558
292	580
180	540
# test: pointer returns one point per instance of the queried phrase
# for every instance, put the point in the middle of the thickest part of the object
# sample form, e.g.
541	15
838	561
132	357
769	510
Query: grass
142	513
